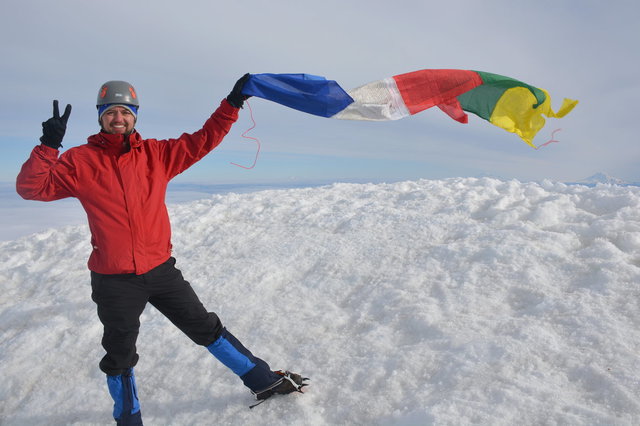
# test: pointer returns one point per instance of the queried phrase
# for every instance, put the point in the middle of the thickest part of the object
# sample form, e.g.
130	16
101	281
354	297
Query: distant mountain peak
601	177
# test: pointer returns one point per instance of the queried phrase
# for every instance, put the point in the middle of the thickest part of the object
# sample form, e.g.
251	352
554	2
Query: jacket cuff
47	150
225	106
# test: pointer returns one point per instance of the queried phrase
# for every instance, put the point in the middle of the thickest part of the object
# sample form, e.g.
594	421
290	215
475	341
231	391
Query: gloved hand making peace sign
54	128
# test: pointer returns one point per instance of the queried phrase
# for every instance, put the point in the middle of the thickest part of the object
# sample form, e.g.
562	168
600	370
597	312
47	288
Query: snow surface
450	302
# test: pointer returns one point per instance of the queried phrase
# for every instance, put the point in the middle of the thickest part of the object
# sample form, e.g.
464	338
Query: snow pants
121	298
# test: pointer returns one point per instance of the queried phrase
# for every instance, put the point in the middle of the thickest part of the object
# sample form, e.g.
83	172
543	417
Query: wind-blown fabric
503	101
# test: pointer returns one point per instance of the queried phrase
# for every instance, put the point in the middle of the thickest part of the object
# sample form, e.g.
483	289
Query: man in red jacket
121	181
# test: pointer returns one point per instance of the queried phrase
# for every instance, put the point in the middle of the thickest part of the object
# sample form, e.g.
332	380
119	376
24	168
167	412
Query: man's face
118	120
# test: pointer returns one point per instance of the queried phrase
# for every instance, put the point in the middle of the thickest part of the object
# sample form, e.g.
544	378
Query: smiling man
121	180
118	120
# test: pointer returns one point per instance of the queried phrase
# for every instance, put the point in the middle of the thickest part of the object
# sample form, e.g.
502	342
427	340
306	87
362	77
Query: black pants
121	298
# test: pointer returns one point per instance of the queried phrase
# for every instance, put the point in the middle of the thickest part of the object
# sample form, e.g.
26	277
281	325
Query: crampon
288	383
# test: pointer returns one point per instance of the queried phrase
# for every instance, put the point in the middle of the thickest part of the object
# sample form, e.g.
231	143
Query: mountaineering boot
126	407
254	372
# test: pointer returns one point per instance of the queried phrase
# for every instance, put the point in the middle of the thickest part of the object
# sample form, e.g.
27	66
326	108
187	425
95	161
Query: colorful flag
505	102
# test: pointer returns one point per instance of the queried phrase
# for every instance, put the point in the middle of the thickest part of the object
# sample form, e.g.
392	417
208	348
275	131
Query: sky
183	59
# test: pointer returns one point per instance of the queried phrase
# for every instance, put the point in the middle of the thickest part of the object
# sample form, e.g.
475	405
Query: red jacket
122	191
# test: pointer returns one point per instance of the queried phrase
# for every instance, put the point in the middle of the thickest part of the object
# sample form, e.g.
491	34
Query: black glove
236	98
53	129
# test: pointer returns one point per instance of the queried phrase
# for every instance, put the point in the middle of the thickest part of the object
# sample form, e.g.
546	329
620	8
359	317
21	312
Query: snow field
459	301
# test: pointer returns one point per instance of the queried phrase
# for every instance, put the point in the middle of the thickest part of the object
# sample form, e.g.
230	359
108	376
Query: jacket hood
113	142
